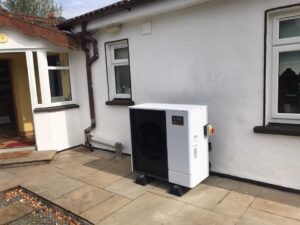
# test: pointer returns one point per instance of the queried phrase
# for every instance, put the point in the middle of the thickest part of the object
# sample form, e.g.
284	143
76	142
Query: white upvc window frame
278	46
44	79
60	68
275	82
112	63
277	41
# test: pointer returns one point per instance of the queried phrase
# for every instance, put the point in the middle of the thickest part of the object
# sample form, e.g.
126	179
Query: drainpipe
86	42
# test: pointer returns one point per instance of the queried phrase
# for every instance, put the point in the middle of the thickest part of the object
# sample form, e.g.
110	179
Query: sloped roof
107	10
34	26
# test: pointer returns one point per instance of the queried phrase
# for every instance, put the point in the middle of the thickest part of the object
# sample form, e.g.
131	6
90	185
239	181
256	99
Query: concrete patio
102	190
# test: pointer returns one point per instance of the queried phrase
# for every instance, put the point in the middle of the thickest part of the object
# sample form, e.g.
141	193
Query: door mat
20	206
16	143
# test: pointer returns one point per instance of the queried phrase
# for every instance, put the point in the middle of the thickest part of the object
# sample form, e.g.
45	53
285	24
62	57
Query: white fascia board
137	13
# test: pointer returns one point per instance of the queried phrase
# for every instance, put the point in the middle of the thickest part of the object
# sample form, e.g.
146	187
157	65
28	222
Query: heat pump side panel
187	147
178	141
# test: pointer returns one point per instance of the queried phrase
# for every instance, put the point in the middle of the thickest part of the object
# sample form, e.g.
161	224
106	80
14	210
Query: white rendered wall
65	129
54	130
210	54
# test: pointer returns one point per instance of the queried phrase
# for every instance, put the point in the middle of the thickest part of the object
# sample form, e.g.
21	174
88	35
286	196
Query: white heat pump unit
170	143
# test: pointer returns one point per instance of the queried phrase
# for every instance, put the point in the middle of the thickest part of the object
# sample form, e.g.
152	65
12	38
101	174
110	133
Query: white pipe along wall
211	54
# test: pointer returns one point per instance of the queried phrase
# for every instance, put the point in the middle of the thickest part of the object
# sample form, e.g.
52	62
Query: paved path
102	190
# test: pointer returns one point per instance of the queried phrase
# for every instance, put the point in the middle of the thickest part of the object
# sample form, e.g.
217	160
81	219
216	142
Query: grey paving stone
77	171
277	208
35	156
30	173
256	217
282	197
205	196
105	209
234	204
147	209
102	178
233	185
54	186
191	215
128	188
83	198
6	177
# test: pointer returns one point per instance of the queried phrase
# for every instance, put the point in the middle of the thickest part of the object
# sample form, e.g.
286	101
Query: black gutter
86	41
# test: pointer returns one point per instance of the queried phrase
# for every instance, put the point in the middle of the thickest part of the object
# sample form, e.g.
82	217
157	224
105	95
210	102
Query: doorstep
34	158
15	152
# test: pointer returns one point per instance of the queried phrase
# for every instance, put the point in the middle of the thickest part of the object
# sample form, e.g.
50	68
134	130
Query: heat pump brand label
178	120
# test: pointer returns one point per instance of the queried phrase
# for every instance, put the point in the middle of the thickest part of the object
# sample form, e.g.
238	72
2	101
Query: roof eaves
45	31
107	10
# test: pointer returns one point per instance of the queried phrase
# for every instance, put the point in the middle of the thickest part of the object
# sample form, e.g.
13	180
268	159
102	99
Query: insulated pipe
113	144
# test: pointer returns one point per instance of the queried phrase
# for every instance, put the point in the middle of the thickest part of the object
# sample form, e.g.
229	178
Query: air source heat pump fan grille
148	130
151	140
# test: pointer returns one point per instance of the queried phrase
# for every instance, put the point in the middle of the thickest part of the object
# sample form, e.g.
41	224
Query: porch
102	190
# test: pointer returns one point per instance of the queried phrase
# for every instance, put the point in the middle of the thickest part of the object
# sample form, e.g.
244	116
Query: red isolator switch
209	130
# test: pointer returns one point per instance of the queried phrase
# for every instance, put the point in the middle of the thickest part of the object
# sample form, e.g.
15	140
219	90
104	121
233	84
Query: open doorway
16	119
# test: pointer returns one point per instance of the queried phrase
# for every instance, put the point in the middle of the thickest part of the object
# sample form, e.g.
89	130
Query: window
118	69
59	77
285	71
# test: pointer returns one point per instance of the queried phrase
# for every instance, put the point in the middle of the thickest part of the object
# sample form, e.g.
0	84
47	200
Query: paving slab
234	204
54	186
66	159
233	185
13	212
101	178
77	171
205	196
163	188
128	188
100	163
191	215
106	208
256	217
34	157
282	197
14	153
83	198
277	208
32	172
123	164
147	210
6	177
103	154
11	184
87	157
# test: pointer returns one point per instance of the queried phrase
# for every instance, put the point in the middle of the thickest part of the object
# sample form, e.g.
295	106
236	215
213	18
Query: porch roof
34	26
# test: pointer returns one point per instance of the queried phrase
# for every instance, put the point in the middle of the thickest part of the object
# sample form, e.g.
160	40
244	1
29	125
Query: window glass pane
289	28
57	59
122	74
121	53
289	82
37	78
60	85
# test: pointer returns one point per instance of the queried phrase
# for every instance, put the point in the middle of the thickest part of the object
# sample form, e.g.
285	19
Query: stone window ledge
55	108
120	102
279	129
